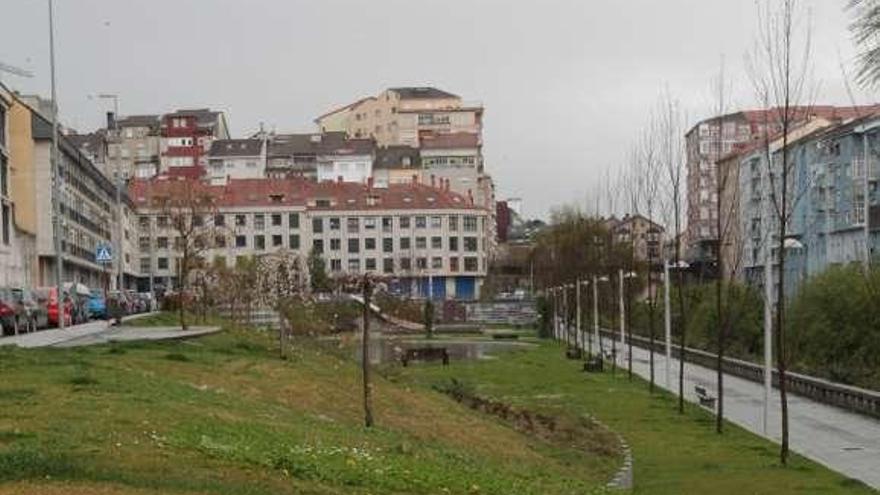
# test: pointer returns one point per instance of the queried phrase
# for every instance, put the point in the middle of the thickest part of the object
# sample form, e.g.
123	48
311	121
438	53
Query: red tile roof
301	192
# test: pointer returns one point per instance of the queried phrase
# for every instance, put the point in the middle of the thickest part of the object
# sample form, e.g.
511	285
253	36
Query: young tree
779	71
283	282
190	210
866	29
650	187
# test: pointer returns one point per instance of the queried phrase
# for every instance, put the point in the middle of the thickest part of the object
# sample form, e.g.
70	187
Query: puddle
384	350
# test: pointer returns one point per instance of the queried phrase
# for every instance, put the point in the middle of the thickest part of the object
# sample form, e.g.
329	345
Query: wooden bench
425	354
594	365
704	397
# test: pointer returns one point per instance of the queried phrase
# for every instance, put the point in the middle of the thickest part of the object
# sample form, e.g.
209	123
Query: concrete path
100	332
846	442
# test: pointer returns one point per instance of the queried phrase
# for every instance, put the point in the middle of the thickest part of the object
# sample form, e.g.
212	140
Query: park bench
704	397
593	365
425	354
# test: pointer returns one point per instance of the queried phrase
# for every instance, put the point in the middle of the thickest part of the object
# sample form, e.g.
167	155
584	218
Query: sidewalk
846	442
100	332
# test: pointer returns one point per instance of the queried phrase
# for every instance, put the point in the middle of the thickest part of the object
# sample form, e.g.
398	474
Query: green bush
834	326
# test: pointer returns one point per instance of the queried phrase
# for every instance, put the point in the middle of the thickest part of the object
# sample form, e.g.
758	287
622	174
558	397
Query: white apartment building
236	159
425	240
352	161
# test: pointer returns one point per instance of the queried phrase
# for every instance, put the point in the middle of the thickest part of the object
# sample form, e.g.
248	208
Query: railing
847	397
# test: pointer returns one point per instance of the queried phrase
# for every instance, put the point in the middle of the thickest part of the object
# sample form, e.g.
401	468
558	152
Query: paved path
846	442
100	332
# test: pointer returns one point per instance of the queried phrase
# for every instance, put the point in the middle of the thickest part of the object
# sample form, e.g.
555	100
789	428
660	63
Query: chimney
433	181
470	196
415	179
448	184
369	183
339	179
111	120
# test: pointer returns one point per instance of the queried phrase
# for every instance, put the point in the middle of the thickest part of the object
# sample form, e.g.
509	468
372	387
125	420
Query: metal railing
846	397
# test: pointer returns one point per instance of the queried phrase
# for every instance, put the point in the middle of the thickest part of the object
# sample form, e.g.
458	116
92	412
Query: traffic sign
103	254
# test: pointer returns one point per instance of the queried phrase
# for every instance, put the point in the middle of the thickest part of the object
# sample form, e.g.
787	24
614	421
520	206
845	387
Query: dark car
13	316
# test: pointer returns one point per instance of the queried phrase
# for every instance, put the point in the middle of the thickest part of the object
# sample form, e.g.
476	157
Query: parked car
35	308
97	305
149	301
50	294
13	316
79	296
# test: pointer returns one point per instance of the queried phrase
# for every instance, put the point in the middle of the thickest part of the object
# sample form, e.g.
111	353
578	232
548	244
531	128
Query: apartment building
830	223
351	161
87	203
645	236
425	240
396	165
710	140
296	155
133	146
236	159
405	116
186	137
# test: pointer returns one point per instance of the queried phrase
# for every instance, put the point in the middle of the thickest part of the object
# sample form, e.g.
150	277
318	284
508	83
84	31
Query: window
453	223
220	241
144	222
277	240
453	243
162	263
387	225
387	245
471	264
404	243
219	220
470	223
293	241
293	220
421	222
437	242
421	263
240	241
354	266
405	264
335	244
143	243
436	263
369	223
162	222
336	265
276	219
259	242
404	222
436	222
388	265
198	220
318	246
259	221
453	264
470	244
354	245
370	264
317	225
146	265
240	220
162	242
335	223
421	243
353	225
369	244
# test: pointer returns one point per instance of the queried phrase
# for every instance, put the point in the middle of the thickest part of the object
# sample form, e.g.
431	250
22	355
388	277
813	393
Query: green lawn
223	415
673	454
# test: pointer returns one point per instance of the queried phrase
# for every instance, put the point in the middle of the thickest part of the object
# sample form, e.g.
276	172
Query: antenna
16	71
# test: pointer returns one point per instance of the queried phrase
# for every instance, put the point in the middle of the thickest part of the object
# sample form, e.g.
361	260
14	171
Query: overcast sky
566	84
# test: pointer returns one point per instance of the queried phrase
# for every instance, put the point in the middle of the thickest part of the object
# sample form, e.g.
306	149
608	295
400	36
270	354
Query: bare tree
866	30
779	69
283	282
650	188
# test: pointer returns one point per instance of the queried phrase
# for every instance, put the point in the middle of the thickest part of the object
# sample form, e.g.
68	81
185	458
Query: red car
51	296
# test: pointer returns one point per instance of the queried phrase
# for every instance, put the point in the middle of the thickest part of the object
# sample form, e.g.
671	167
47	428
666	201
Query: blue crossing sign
103	254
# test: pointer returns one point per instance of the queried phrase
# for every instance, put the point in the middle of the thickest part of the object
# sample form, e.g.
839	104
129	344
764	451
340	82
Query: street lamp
680	265
120	280
622	278
597	334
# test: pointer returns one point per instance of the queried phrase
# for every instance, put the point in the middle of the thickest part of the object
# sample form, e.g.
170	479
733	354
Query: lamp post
56	175
596	281
578	334
667	313
117	183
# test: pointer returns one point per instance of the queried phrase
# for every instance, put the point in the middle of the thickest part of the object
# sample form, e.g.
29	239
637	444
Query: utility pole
56	174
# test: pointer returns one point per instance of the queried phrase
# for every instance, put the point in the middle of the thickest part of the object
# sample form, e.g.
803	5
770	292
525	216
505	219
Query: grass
224	415
172	319
673	454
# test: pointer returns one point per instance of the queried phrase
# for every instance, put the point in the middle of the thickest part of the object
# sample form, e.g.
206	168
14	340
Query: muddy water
384	350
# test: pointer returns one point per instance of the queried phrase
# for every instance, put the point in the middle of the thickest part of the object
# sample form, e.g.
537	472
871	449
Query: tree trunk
780	303
365	356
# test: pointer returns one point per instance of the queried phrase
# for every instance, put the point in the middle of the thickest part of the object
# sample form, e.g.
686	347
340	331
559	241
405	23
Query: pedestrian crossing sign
103	254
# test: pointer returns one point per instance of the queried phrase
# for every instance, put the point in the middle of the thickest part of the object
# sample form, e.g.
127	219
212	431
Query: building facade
425	240
236	159
186	137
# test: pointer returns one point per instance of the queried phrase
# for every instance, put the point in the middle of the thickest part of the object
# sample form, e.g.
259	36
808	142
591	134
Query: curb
623	479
